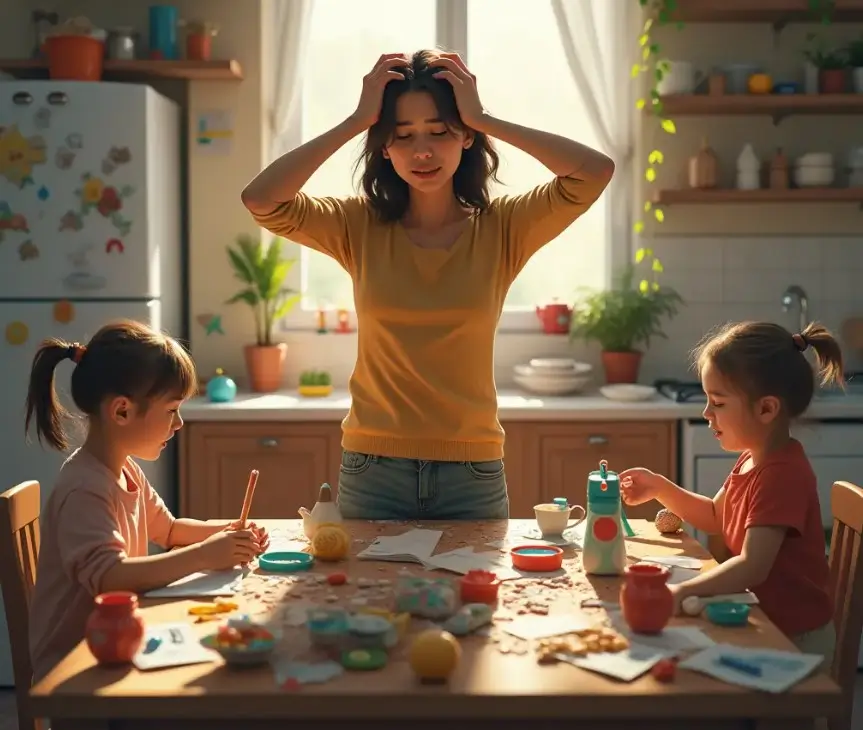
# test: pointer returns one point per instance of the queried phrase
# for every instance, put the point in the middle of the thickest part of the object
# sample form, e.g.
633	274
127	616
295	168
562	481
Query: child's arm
742	572
701	512
186	531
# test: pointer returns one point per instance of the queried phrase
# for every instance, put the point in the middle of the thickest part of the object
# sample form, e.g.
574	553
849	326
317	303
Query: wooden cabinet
544	460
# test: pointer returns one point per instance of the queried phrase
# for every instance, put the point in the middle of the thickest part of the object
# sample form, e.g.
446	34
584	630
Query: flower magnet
107	200
19	154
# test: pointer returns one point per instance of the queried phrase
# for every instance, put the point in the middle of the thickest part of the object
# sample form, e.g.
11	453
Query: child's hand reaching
639	485
228	548
260	534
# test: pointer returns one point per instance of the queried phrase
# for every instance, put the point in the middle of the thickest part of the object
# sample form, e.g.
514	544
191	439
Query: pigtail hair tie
800	342
75	352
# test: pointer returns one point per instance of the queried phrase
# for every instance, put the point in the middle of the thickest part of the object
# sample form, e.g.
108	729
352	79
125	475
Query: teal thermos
604	551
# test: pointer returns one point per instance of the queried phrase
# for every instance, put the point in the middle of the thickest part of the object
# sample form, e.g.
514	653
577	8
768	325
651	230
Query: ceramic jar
645	599
115	629
703	168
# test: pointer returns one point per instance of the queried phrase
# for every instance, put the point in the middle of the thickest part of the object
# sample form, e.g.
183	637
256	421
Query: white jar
748	180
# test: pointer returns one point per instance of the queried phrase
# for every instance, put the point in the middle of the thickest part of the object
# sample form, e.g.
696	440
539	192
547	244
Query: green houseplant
262	271
625	316
832	64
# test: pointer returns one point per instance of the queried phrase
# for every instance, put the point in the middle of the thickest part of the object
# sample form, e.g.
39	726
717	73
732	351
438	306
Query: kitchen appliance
89	232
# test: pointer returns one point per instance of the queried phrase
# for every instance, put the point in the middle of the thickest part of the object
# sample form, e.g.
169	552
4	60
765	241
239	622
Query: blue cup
164	20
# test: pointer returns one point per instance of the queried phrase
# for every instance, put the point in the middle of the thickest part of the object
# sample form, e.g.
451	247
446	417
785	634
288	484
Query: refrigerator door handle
58	98
22	98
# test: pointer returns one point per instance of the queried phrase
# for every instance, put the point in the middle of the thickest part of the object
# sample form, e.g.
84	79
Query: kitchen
728	260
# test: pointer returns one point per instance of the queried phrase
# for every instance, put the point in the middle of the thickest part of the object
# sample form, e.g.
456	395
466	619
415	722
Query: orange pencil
247	500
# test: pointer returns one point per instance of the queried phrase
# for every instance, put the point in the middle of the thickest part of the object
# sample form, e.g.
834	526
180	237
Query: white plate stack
553	376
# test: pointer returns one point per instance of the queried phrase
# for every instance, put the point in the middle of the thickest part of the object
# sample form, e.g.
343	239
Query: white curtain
600	41
290	30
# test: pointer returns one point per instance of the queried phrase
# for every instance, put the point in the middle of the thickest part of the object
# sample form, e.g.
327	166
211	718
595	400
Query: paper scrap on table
530	627
573	537
210	583
171	645
626	665
463	560
780	670
674	640
306	672
674	561
413	546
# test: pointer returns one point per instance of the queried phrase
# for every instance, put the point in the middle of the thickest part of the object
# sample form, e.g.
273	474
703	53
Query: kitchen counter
513	406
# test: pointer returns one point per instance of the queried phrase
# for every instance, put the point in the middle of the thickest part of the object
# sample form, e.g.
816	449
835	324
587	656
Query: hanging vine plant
654	67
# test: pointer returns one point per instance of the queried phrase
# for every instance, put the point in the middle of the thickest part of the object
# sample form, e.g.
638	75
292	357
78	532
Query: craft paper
211	583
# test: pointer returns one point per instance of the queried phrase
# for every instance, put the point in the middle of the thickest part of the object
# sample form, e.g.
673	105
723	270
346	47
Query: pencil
247	500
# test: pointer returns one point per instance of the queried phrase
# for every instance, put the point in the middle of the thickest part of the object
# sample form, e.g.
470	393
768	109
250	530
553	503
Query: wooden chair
19	555
846	581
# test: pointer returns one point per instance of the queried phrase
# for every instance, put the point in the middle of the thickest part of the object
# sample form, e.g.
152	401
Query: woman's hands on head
368	109
454	70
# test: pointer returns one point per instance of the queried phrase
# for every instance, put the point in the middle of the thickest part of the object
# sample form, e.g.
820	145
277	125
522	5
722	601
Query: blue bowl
727	614
286	562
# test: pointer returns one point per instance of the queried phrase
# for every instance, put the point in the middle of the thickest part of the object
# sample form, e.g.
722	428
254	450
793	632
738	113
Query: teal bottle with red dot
604	551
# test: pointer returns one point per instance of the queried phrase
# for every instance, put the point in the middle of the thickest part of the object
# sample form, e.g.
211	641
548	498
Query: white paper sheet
674	561
530	627
676	640
200	585
626	665
171	645
465	559
413	546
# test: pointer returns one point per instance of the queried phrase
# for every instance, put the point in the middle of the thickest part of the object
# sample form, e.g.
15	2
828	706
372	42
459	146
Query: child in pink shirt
129	381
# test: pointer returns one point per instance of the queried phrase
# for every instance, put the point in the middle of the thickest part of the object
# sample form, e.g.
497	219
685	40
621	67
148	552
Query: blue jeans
382	488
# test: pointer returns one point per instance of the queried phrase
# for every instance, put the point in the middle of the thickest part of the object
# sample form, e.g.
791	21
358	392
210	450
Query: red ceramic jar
645	600
115	628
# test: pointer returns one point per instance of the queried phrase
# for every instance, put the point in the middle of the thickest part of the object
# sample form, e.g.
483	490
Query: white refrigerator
90	231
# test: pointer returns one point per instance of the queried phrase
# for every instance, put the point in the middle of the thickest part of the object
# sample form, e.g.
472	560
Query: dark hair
762	358
124	358
386	191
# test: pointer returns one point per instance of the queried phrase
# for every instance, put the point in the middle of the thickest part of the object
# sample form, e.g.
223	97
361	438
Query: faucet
796	292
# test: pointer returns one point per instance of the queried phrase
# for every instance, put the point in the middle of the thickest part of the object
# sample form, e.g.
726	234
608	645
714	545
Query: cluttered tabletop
481	621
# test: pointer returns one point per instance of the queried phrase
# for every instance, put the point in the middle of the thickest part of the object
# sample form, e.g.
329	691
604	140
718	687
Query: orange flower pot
265	365
75	58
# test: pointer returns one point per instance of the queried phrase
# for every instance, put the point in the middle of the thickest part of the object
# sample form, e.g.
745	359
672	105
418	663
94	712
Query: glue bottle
604	551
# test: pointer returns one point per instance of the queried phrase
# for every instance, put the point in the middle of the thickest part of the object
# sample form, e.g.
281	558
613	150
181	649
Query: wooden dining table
498	683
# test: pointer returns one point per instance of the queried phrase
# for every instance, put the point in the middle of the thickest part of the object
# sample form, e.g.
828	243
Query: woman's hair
124	358
386	191
762	358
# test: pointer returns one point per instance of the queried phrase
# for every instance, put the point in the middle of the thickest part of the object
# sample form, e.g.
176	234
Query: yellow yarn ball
331	542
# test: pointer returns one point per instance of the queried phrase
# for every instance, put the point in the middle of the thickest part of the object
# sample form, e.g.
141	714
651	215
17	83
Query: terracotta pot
115	628
266	364
621	367
645	600
832	80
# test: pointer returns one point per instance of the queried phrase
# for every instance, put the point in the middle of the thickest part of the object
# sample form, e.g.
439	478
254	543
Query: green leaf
645	53
659	215
648	252
635	70
249	296
647	206
638	227
668	126
639	255
644	40
644	286
656	158
654	48
640	104
655	286
648	24
657	266
650	174
287	304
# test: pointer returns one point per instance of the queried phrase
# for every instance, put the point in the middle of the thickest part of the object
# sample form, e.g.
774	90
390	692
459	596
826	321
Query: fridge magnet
17	333
43	194
108	167
64	311
114	244
71	221
75	141
19	154
120	155
82	279
64	158
212	323
42	118
10	221
214	132
106	199
28	251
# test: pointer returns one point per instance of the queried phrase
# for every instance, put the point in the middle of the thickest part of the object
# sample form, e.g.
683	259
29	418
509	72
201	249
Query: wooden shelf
775	105
190	70
775	12
766	195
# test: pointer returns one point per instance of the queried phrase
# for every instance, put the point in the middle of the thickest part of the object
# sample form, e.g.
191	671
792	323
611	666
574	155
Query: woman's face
423	151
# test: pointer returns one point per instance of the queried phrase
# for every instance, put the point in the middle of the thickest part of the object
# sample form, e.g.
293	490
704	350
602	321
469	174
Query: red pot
115	628
645	600
832	80
621	367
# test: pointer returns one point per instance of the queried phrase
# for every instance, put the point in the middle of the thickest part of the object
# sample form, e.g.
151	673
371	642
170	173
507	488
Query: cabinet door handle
597	440
268	442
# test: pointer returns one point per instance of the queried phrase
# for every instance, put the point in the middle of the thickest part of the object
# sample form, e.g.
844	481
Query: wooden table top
498	676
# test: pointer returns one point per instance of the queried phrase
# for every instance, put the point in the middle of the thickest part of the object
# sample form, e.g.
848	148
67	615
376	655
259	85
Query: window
513	48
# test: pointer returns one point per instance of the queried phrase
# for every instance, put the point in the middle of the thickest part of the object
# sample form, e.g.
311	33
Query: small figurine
344	321
221	389
322	321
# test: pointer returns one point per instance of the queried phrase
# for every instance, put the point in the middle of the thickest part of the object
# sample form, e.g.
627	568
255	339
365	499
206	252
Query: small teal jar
221	389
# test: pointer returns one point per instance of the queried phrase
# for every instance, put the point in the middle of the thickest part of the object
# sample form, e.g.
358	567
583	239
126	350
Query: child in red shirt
758	380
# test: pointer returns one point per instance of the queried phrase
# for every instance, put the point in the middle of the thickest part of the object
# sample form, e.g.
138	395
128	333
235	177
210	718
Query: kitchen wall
729	262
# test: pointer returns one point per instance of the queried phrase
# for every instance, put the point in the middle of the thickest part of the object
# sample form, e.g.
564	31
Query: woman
432	259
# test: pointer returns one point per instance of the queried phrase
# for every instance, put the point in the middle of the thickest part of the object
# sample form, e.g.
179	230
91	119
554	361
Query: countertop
513	405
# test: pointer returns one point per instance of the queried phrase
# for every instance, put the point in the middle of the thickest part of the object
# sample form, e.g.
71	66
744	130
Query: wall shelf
776	12
190	70
774	105
765	195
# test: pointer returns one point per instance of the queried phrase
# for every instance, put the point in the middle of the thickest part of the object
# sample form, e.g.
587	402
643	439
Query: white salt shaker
748	169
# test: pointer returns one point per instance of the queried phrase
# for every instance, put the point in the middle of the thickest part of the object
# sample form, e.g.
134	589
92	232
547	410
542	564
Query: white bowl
628	392
809	176
558	365
552	386
527	371
815	159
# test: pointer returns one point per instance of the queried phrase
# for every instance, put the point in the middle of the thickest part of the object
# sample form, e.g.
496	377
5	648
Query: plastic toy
425	597
727	614
434	655
242	641
468	618
479	586
221	389
604	551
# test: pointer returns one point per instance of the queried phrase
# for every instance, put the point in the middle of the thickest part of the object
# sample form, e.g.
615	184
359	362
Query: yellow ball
434	654
331	542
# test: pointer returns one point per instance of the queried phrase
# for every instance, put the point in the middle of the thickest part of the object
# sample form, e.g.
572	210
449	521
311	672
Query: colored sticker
107	200
71	221
114	244
17	333
28	251
42	118
82	279
19	154
212	323
120	155
64	311
64	158
10	221
75	141
43	194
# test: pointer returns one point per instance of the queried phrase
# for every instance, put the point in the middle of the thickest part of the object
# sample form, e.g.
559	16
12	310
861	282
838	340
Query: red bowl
536	558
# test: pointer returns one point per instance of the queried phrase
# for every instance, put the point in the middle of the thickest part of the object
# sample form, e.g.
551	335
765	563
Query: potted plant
262	270
855	62
625	316
832	65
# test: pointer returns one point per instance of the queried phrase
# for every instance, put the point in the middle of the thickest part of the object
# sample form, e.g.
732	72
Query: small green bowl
287	562
727	613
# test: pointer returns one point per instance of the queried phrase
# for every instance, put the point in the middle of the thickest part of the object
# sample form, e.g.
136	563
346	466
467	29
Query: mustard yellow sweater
423	385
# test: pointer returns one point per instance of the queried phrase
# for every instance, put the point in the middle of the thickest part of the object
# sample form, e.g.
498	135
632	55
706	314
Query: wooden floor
9	718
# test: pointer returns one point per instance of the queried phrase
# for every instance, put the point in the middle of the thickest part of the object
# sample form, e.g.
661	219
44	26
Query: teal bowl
285	562
727	614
